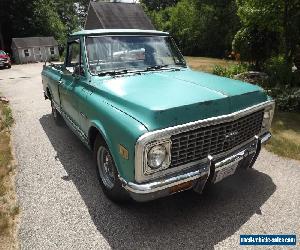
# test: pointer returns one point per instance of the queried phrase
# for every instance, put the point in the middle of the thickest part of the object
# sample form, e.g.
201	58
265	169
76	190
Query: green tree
22	18
157	5
48	21
269	19
200	27
218	23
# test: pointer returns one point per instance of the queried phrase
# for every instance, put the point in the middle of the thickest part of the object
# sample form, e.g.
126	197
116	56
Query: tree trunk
1	38
286	32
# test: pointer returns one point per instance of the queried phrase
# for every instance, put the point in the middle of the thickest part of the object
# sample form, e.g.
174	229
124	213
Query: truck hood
169	98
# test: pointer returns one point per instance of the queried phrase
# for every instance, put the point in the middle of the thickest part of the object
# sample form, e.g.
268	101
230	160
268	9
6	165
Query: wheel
107	173
9	66
56	115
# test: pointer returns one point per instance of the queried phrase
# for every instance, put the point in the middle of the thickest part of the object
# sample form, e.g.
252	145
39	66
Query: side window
26	53
52	51
73	56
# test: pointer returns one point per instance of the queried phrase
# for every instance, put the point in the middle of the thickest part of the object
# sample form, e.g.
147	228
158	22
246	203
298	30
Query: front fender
117	128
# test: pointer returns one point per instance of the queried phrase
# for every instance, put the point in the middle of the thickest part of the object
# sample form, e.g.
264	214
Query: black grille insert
197	144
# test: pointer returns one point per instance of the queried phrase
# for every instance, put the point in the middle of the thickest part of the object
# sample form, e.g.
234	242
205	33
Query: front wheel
108	173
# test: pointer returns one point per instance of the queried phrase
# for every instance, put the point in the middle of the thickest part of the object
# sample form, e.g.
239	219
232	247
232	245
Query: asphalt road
63	206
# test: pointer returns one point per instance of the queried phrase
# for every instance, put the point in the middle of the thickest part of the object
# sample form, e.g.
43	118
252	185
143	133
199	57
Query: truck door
70	79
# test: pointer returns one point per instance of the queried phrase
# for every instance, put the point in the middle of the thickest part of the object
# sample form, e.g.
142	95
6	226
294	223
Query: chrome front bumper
196	177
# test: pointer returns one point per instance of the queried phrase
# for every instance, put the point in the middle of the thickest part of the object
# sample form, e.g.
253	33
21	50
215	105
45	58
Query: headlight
157	156
268	117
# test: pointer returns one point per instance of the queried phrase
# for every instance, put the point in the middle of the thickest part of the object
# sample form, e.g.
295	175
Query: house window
26	53
52	50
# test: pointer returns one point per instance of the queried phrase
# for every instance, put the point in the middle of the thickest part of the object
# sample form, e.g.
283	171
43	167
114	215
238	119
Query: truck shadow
182	221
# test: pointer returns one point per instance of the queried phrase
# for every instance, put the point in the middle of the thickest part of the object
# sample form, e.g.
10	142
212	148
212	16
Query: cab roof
119	32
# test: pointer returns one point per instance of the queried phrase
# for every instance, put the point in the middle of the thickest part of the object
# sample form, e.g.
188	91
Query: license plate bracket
225	171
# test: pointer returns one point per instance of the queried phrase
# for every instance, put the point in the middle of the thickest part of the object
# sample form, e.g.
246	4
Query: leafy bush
280	72
255	45
287	98
231	70
55	58
282	84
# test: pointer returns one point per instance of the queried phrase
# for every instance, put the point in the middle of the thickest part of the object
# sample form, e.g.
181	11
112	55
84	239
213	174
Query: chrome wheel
106	167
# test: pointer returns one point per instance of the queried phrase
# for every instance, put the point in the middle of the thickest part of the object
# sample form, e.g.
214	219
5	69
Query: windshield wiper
113	72
162	67
156	67
181	64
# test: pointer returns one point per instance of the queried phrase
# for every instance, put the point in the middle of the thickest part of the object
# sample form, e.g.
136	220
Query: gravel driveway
63	206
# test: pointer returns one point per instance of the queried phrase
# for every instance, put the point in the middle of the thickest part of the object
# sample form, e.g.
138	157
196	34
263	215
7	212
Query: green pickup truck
155	126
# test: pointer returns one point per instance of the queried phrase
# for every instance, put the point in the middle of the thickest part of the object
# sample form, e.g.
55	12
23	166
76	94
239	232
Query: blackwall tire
108	173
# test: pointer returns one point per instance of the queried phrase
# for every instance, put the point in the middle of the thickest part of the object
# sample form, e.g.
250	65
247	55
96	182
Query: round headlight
157	156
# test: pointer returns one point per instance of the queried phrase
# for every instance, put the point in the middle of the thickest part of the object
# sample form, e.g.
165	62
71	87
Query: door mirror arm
67	72
78	71
76	77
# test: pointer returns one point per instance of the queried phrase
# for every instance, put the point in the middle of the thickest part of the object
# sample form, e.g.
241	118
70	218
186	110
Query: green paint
123	108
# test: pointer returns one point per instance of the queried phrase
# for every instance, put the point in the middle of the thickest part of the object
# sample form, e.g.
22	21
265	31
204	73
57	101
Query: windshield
111	53
2	52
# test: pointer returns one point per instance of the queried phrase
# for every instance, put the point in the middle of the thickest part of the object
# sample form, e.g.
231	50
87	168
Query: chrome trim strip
164	184
71	124
168	132
76	128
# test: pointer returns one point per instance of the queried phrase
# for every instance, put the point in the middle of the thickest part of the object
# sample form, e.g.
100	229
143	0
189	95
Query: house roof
111	15
30	42
119	31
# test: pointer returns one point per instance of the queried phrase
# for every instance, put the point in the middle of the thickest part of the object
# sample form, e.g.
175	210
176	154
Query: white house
34	49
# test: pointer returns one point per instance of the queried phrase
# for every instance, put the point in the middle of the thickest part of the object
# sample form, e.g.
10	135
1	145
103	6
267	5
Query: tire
9	66
56	115
108	173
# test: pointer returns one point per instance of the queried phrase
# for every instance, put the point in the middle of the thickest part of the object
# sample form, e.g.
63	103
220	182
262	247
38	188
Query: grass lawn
8	207
285	127
286	135
206	64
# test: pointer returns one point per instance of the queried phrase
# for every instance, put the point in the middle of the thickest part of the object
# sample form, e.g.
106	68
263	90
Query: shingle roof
29	42
109	15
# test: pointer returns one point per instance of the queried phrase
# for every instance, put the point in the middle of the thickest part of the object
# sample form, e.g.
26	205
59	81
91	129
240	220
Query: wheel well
93	133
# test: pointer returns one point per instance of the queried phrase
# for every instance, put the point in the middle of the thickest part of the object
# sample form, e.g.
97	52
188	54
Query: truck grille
197	144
